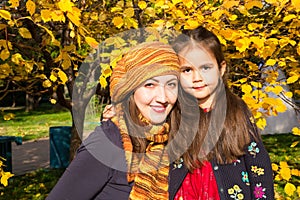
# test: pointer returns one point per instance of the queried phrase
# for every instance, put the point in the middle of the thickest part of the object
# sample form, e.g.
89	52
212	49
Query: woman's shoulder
107	131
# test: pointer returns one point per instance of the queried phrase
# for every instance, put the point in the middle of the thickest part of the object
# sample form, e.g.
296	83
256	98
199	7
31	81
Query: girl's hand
108	112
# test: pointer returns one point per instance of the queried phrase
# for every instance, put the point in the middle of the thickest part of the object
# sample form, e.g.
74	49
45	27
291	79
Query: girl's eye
186	70
206	68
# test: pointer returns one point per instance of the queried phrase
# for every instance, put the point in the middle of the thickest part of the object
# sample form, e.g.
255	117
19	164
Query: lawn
34	124
36	185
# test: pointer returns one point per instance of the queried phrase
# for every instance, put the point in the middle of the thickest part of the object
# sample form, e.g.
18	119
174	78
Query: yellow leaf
74	18
250	4
5	176
142	5
65	5
63	77
66	62
118	22
58	16
277	89
5	14
285	173
256	84
296	4
242	44
233	17
17	58
188	3
30	6
289	17
4	54
229	4
292	79
288	94
46	15
261	123
275	167
47	83
254	26
271	62
217	14
24	32
191	24
53	101
14	3
150	11
53	78
294	144
289	189
8	116
72	34
280	106
92	42
176	1
296	131
28	66
246	88
129	12
103	82
243	80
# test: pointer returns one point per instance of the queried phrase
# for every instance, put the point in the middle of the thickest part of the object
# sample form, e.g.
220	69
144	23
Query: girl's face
200	74
156	97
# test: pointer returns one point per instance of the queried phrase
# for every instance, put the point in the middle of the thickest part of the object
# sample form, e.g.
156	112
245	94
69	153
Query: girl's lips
199	87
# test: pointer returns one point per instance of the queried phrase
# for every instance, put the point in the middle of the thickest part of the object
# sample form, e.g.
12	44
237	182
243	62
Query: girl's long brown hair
233	135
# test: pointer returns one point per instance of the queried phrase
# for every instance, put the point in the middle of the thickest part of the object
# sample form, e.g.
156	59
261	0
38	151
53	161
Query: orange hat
141	63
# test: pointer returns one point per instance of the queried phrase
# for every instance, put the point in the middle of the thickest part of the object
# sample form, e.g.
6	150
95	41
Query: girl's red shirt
201	184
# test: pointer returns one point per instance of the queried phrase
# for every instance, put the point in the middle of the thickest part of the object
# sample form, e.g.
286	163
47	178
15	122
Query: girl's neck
205	105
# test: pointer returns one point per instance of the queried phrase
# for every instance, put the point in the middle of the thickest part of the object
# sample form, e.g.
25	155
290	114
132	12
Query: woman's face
200	74
156	97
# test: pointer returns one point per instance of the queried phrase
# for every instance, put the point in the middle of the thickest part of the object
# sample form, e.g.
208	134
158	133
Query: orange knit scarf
149	170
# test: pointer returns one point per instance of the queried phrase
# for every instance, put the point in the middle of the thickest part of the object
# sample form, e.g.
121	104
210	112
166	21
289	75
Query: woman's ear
223	67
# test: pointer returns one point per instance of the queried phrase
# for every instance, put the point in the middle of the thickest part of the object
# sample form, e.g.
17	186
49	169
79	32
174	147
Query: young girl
227	159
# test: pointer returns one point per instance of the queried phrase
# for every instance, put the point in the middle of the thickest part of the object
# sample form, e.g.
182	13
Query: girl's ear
223	67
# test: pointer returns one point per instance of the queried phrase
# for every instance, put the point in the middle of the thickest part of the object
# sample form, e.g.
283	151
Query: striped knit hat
141	63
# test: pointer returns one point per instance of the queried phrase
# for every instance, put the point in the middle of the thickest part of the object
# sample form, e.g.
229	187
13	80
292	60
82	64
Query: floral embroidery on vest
253	149
245	178
259	192
236	192
257	171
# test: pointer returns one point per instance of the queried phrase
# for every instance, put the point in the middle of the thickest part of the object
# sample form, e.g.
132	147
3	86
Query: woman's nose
161	95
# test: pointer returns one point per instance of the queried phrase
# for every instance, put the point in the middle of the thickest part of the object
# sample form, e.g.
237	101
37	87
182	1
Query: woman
227	159
126	157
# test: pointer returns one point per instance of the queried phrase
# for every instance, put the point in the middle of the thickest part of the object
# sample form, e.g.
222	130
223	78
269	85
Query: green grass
34	124
34	186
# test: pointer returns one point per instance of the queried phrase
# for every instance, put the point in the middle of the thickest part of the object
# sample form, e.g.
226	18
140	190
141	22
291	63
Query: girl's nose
197	76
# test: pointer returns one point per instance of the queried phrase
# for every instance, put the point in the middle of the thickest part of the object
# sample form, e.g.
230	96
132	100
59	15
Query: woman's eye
172	84
149	85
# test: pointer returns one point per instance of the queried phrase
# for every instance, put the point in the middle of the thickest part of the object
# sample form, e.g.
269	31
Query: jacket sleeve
91	169
259	170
